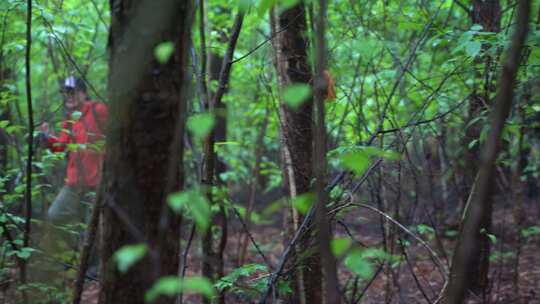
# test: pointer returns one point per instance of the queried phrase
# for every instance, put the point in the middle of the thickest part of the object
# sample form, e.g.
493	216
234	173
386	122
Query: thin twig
361	295
180	298
274	35
425	121
299	232
246	229
89	242
408	63
432	252
70	58
411	269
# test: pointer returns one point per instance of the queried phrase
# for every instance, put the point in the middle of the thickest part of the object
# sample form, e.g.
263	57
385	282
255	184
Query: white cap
70	82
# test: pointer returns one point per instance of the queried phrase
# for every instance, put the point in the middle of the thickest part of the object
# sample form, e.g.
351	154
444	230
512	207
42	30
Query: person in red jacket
81	138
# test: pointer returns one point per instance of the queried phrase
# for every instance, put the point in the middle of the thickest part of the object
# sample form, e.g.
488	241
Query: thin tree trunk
488	15
479	202
212	266
30	155
144	150
297	131
329	265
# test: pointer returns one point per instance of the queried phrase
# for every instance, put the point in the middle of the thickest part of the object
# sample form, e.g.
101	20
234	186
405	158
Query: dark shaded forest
269	151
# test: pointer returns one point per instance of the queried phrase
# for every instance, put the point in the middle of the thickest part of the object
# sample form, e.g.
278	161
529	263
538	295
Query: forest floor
416	280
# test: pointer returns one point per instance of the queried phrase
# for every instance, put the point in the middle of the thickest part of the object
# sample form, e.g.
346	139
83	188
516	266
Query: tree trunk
213	244
487	14
213	264
479	203
332	293
144	146
293	68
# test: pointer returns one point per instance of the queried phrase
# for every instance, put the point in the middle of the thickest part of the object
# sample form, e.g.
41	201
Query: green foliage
530	231
340	245
265	5
249	280
163	51
171	286
195	203
501	256
303	202
361	261
128	255
358	158
230	281
451	233
369	42
358	162
23	253
200	125
426	230
296	94
492	238
357	262
255	217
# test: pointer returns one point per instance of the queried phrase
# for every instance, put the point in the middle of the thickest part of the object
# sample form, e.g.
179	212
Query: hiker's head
74	93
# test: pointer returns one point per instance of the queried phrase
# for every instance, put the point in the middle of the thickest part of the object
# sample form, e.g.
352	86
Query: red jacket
84	159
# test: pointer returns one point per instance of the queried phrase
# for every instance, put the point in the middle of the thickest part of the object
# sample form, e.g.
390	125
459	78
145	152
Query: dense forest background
278	151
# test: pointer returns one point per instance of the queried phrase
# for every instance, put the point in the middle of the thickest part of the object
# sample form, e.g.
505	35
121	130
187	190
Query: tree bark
486	13
144	146
293	68
479	202
213	264
331	291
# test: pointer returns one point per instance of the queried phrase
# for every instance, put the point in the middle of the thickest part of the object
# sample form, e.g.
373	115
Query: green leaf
472	48
172	285
284	287
76	115
196	203
200	125
24	253
472	144
296	94
226	143
425	229
340	245
286	4
128	255
357	162
451	233
273	207
264	6
243	5
533	230
376	253
492	238
303	202
374	151
245	270
359	264
163	51
476	27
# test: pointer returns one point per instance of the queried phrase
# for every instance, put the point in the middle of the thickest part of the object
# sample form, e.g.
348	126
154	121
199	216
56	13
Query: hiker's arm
58	143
